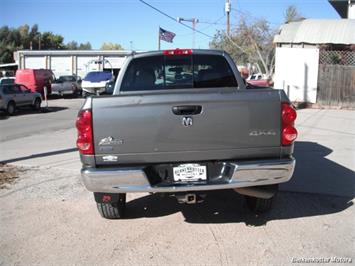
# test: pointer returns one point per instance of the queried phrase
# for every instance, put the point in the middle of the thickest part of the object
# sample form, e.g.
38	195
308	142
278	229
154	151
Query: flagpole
159	38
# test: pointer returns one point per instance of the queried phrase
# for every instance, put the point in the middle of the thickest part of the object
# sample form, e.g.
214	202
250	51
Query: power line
253	17
174	19
210	24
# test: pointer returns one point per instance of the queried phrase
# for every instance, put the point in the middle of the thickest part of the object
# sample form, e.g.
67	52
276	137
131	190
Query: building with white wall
298	47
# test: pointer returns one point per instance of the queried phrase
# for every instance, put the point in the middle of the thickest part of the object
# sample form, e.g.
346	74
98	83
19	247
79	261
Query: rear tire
114	210
259	205
37	104
11	108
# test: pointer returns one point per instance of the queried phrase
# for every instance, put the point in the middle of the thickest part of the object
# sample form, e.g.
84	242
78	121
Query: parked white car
95	82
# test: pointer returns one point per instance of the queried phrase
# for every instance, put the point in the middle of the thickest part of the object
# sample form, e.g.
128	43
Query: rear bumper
238	174
94	90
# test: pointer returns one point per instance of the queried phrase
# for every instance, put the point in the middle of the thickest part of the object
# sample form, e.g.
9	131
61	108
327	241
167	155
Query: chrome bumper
239	174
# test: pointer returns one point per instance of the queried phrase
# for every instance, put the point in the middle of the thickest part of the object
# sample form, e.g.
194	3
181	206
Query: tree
73	45
111	46
9	41
85	46
50	41
24	37
249	42
292	14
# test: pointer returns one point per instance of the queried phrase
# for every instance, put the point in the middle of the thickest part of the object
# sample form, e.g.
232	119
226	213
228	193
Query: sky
135	26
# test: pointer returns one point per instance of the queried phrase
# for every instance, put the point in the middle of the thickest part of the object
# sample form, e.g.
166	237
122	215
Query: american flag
166	35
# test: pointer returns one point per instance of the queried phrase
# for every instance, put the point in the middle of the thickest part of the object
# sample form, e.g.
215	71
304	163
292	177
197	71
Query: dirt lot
47	217
9	174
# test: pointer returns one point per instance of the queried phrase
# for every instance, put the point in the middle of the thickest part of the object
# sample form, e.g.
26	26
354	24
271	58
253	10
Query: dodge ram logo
187	121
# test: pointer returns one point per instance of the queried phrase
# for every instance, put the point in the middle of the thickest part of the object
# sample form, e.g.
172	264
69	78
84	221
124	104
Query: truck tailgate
142	128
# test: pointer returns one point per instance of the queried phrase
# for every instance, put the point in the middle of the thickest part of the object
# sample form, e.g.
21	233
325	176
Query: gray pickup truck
182	122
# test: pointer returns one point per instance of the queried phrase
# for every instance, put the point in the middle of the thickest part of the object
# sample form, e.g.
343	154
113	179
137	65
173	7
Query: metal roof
318	31
341	6
76	52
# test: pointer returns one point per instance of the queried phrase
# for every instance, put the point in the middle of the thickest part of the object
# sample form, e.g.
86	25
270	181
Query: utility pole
227	9
194	22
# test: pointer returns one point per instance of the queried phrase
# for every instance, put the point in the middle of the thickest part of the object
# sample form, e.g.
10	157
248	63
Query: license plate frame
190	172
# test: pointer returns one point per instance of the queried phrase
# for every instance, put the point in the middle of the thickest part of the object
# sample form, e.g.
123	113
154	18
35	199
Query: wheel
76	91
113	210
11	108
37	104
258	205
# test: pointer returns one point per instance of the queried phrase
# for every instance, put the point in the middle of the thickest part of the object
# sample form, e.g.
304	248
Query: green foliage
85	46
111	46
249	42
50	41
30	38
73	45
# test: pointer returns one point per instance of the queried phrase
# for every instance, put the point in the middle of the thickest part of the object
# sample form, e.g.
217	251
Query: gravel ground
48	218
9	174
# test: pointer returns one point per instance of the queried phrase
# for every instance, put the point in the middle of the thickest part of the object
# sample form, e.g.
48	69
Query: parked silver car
69	84
17	95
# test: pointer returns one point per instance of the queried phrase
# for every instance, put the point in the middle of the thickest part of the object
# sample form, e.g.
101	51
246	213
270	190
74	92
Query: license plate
190	173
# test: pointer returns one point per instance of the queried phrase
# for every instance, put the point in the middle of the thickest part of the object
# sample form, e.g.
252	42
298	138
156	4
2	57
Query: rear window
178	72
67	78
6	81
98	76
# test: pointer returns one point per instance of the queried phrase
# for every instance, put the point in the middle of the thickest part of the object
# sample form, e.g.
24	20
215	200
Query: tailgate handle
187	110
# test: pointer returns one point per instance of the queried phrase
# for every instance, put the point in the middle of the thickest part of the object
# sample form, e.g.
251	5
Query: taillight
177	51
288	117
85	140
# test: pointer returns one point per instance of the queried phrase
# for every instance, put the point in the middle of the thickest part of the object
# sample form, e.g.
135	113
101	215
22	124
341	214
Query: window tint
212	71
16	89
6	81
67	78
98	76
178	72
145	73
7	89
11	89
